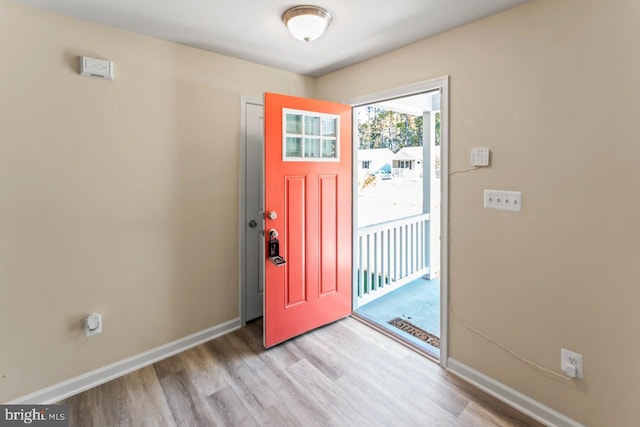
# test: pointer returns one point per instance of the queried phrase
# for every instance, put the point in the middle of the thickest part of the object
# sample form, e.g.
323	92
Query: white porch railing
391	254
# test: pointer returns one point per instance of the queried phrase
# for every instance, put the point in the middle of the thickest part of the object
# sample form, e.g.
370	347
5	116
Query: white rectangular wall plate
571	363
480	156
96	68
503	200
93	324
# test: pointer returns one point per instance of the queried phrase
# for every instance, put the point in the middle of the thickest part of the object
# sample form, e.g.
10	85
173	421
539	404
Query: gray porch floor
417	302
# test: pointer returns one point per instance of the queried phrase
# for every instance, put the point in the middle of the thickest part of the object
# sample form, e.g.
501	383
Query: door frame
242	206
442	84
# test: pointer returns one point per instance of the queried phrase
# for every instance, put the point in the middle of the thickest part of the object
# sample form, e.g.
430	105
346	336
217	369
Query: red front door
308	204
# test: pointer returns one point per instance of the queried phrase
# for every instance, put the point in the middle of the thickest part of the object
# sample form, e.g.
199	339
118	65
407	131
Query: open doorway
378	274
397	200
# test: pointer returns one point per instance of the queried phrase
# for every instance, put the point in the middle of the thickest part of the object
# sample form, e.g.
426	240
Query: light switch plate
480	157
503	200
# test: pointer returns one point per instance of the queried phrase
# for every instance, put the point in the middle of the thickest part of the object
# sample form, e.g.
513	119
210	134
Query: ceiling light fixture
306	23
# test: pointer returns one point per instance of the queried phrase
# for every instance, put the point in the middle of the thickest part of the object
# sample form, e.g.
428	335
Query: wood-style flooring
344	374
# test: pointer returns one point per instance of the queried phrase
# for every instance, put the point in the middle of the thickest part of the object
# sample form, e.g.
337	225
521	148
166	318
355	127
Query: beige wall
553	88
119	197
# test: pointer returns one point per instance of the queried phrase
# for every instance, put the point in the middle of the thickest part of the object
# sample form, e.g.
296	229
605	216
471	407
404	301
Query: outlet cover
93	324
571	363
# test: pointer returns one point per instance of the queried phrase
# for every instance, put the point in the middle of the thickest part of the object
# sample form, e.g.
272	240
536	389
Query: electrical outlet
571	363
503	200
93	324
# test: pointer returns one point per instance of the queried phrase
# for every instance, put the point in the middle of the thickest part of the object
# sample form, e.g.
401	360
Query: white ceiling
253	29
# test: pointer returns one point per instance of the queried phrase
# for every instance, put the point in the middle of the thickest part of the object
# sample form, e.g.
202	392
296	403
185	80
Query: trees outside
381	128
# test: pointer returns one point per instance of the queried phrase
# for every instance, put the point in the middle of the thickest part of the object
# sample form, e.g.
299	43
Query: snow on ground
386	200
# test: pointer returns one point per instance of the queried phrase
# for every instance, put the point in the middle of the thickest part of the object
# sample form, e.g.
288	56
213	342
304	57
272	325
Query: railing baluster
427	248
404	260
421	242
360	268
413	248
395	254
374	280
368	276
409	255
407	250
416	239
398	232
410	249
382	269
418	245
425	244
391	254
403	251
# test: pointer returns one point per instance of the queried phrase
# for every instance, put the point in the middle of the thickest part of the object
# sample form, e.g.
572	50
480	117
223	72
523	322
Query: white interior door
253	247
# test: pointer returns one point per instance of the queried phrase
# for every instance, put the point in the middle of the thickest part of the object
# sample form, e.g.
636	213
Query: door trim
242	206
441	83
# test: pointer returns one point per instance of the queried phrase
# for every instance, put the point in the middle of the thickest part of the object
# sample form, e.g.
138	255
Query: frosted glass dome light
306	23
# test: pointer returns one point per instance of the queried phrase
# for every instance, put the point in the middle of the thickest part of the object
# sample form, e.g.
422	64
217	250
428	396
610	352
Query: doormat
407	327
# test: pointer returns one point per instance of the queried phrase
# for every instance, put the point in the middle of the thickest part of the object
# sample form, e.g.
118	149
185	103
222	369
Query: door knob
272	215
253	223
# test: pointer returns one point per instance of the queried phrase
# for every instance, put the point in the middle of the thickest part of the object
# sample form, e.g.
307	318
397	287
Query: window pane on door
328	127
312	125
294	147
329	148
294	123
312	147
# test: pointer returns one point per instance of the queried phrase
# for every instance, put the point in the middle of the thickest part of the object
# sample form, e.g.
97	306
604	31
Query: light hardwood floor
344	374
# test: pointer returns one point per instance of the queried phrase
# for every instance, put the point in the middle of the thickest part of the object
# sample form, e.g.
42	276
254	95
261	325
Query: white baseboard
511	397
73	386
